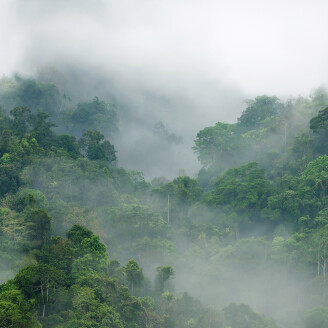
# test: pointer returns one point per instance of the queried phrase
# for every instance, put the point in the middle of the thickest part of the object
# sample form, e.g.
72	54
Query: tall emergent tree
164	273
134	274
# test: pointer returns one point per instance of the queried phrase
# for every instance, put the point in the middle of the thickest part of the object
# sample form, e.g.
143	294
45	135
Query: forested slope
87	243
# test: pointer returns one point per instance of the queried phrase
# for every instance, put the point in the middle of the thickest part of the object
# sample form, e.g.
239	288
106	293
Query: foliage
67	211
95	148
95	115
242	316
164	273
217	143
317	317
134	274
257	111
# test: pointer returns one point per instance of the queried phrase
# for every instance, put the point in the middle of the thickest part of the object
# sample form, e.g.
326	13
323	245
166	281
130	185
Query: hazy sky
261	46
189	63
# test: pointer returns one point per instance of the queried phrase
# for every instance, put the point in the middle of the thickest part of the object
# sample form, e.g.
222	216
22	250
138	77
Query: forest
87	243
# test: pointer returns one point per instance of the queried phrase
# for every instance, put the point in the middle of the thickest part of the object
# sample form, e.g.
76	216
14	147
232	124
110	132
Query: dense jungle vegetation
87	243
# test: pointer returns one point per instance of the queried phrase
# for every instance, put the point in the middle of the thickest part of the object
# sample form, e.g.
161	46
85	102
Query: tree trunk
237	232
47	290
44	306
324	269
318	263
168	209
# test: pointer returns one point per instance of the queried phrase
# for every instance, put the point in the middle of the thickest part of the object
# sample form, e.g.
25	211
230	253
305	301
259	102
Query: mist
210	268
188	65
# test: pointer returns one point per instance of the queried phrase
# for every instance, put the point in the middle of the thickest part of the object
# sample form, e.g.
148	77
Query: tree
10	179
69	144
5	121
40	222
134	274
38	281
131	221
93	146
23	120
316	318
217	144
315	177
242	316
150	318
240	192
87	243
257	111
91	257
177	196
95	114
115	270
164	273
42	130
35	95
319	241
161	131
70	215
320	122
78	233
184	190
130	307
15	309
284	206
29	197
